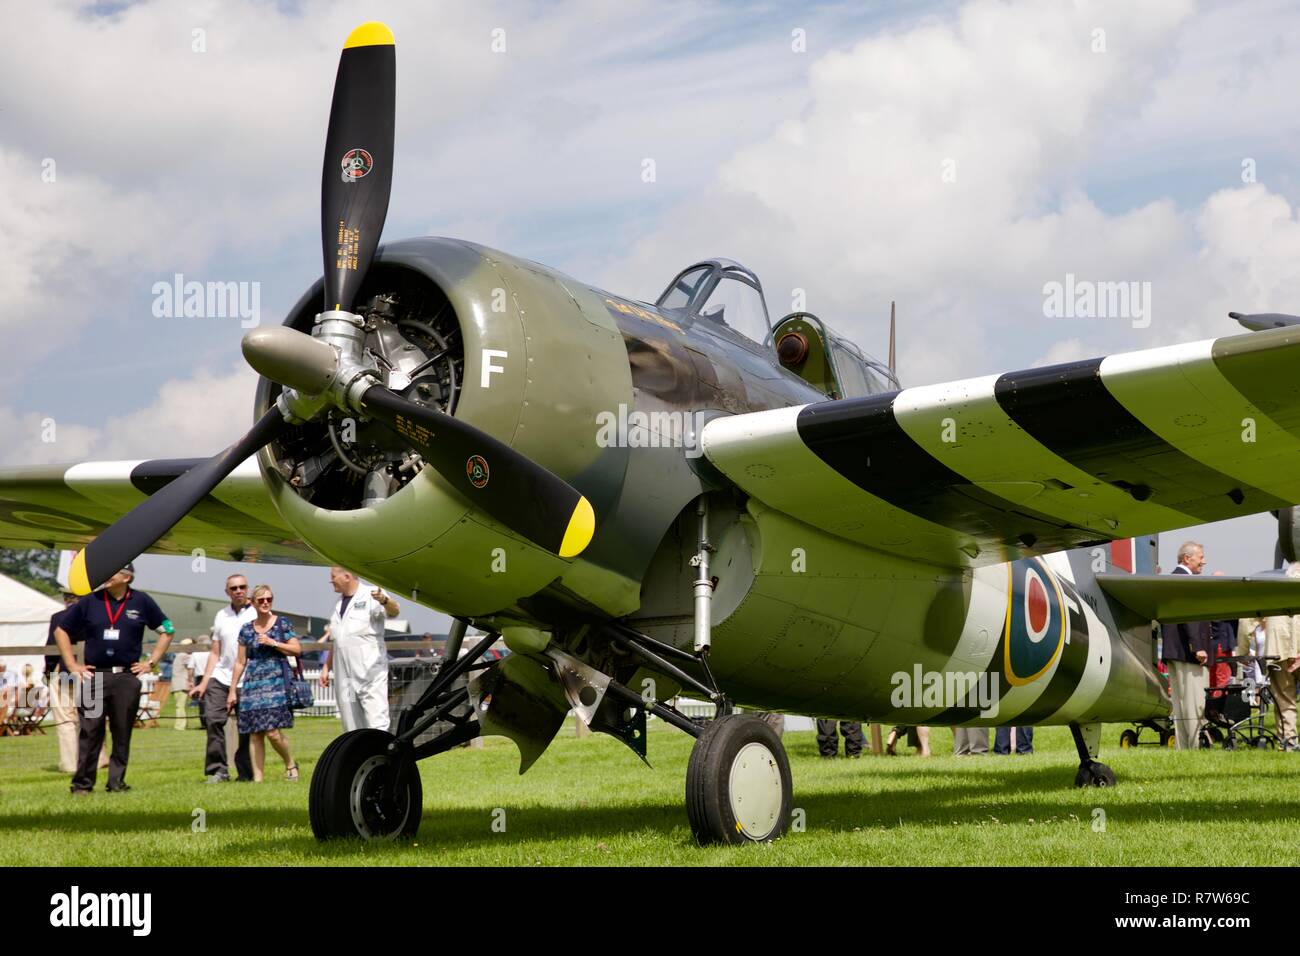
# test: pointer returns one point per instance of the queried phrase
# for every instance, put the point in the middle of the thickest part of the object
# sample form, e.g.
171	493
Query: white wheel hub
755	791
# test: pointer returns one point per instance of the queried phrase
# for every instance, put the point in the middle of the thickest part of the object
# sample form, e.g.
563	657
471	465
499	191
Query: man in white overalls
359	658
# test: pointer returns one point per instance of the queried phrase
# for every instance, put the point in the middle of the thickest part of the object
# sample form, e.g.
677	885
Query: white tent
24	620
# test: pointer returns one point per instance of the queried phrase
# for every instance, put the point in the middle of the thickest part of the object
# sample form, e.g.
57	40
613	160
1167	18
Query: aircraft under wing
991	469
65	506
1173	598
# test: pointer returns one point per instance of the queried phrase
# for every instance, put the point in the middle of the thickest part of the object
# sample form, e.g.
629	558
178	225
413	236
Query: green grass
590	801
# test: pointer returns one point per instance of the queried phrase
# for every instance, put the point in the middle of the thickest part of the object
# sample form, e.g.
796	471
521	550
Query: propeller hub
292	358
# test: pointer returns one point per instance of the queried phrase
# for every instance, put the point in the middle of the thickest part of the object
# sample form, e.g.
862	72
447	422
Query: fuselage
609	393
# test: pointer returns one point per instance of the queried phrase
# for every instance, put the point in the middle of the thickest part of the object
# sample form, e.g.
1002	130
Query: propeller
1260	321
509	486
356	183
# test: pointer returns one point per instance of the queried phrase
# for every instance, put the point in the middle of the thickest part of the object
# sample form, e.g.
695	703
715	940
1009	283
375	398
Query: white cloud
849	200
192	416
1070	350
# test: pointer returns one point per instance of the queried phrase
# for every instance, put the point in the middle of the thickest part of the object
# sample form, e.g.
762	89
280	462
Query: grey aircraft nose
292	358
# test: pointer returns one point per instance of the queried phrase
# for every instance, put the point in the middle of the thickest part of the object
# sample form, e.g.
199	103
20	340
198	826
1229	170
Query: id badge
110	633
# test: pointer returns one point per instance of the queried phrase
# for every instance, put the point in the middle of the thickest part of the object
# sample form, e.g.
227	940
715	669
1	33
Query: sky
955	158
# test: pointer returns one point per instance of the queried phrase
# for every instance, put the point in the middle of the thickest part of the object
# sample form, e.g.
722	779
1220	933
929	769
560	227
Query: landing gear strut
1092	773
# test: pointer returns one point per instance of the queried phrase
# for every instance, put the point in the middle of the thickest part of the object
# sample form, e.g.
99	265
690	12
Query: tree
35	567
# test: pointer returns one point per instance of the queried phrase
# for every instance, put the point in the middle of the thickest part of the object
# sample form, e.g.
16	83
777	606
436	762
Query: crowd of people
243	682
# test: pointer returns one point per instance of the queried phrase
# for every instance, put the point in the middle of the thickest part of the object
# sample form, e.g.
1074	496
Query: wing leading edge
991	469
65	506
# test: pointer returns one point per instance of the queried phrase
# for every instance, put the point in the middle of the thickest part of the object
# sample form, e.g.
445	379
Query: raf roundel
356	163
1036	621
1037	616
476	470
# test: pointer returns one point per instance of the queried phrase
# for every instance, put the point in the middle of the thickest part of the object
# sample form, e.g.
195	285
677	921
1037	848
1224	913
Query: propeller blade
512	488
1260	321
358	170
141	527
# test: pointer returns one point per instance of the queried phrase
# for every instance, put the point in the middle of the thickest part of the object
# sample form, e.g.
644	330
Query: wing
65	506
991	469
1174	598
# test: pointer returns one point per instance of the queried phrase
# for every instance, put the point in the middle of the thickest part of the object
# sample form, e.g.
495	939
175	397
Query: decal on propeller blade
1036	621
476	470
356	163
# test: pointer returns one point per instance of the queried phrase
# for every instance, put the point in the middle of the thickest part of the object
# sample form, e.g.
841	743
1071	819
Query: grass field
590	801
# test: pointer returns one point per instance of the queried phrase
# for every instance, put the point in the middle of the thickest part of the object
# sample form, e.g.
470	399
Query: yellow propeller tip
582	525
77	579
372	33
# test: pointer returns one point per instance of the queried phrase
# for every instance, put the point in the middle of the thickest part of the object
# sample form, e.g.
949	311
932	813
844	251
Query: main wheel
355	793
1128	738
738	786
1094	774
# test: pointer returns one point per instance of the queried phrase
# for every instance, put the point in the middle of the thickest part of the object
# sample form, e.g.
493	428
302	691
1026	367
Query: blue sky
819	168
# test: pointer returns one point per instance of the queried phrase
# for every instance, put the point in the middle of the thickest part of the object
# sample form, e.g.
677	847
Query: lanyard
112	618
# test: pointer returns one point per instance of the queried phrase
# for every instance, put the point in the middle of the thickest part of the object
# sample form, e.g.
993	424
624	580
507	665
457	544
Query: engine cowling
521	352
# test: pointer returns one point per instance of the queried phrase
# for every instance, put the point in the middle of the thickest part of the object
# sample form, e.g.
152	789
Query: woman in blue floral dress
264	710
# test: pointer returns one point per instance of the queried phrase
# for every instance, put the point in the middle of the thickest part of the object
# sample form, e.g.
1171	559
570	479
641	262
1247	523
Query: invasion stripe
1068	409
863	441
1183	396
962	425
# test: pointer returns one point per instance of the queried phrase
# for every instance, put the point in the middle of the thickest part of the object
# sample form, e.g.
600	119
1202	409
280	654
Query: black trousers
215	716
114	698
829	744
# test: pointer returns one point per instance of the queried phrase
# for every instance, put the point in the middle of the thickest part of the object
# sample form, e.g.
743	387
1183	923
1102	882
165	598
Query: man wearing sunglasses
214	689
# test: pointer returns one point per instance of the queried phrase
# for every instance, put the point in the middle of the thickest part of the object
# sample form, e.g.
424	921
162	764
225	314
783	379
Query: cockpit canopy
722	292
726	297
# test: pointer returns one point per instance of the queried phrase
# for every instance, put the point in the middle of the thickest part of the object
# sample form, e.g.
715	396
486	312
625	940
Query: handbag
296	688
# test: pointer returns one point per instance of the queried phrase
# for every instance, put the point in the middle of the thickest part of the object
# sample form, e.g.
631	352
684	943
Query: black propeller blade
1260	321
137	530
512	488
358	171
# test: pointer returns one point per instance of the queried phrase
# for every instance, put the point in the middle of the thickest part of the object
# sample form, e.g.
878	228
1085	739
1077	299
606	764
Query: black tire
1128	738
738	743
1167	739
1094	774
1262	743
315	794
352	791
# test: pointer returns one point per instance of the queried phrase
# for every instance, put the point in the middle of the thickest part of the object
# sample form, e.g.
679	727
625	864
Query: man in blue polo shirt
111	623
